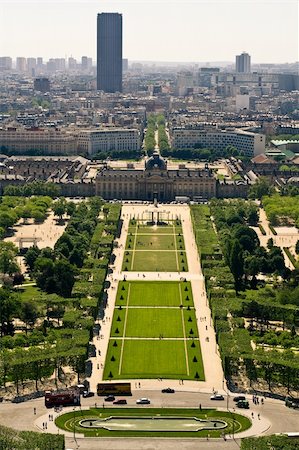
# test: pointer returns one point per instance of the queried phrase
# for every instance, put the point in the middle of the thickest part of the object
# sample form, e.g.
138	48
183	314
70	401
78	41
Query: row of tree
34	188
204	154
149	140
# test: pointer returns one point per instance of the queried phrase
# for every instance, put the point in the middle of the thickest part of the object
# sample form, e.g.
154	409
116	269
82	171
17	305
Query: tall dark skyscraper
243	63
109	52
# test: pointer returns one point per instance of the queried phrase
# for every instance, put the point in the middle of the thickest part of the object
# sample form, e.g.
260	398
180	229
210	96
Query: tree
7	219
31	256
237	263
253	217
9	306
59	207
70	208
64	277
260	189
26	213
247	237
28	313
38	215
55	276
8	263
44	273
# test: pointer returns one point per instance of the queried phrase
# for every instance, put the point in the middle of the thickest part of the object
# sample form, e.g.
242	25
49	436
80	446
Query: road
282	419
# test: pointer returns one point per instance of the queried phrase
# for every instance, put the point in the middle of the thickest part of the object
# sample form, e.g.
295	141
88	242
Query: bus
62	398
182	199
114	389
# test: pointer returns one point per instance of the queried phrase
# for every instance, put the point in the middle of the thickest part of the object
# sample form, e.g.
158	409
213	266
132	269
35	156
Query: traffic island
152	422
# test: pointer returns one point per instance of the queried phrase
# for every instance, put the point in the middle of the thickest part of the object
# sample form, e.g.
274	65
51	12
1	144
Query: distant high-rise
21	64
109	52
31	66
5	63
125	65
243	63
72	63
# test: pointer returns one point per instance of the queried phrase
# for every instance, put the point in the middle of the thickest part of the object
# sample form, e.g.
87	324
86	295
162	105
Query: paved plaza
42	235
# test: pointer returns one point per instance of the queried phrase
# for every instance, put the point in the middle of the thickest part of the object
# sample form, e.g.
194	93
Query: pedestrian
258	416
43	425
200	406
34	411
139	385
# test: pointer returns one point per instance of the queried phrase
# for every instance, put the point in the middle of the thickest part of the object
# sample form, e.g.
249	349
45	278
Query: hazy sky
164	30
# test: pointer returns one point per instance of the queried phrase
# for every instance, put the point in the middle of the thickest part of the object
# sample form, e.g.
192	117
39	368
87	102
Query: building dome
155	162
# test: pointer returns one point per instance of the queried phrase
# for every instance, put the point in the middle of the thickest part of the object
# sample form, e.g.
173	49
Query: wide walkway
214	379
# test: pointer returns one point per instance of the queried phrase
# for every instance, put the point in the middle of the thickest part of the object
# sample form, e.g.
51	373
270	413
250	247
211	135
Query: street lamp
74	429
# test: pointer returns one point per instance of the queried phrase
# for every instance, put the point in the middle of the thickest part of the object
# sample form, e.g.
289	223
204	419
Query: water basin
154	423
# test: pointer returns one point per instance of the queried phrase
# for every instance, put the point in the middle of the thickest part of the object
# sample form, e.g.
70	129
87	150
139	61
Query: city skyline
168	31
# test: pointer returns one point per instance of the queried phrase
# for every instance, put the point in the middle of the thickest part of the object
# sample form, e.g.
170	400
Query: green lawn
71	420
151	293
148	229
151	261
155	242
30	293
146	310
153	322
155	249
153	359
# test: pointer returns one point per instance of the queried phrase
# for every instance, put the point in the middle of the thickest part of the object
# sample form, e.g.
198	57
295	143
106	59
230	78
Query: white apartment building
94	141
249	143
45	141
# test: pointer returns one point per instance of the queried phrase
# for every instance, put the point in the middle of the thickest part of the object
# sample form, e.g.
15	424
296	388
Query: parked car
239	398
87	394
110	398
143	401
217	397
243	404
120	401
168	391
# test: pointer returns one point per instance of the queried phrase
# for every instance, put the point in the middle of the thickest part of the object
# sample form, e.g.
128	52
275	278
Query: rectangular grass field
155	249
154	332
